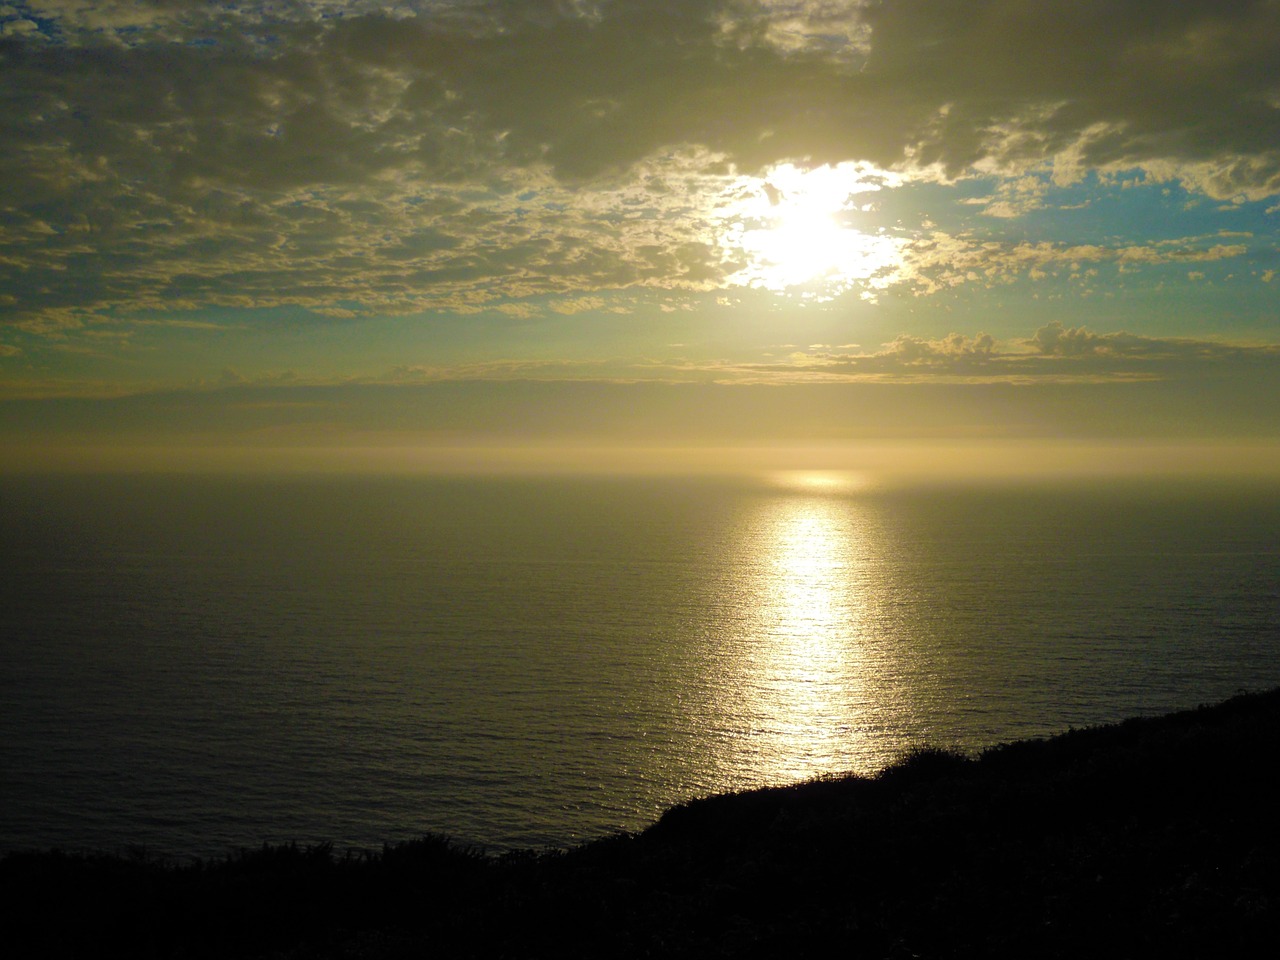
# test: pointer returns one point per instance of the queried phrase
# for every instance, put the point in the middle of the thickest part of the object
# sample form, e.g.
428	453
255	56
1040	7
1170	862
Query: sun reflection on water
819	481
809	617
802	689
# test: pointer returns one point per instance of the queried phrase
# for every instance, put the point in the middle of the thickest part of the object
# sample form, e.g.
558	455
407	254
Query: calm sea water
195	664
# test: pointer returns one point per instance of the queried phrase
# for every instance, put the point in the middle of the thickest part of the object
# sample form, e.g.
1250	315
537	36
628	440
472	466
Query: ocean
192	664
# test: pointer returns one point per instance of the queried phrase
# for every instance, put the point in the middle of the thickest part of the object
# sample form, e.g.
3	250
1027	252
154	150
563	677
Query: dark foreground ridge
1152	838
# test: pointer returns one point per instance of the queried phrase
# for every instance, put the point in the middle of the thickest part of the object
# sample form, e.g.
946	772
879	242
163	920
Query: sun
801	242
795	228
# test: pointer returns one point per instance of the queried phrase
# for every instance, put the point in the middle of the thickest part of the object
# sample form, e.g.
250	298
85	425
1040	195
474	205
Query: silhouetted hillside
1151	838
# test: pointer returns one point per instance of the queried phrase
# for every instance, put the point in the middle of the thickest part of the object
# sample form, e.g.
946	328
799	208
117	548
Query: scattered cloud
911	349
941	260
578	305
394	157
1054	353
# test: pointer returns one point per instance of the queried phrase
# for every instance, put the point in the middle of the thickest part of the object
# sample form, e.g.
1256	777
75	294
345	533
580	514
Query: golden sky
707	223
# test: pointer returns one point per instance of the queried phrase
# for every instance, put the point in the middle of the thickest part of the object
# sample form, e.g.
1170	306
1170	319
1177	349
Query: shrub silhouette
1150	838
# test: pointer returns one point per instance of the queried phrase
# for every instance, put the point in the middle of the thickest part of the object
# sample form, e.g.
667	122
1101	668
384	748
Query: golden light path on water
807	686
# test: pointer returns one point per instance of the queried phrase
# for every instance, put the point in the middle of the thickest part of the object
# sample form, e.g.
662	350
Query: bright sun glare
795	229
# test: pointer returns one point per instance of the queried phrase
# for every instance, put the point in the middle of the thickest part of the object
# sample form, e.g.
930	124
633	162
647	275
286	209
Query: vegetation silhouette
1154	837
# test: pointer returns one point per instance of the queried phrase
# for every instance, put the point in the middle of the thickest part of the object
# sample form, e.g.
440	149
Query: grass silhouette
1155	837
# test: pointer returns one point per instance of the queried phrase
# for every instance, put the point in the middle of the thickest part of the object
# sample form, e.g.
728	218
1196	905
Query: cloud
1056	340
18	26
421	414
940	260
995	84
491	370
912	349
1053	354
375	156
578	305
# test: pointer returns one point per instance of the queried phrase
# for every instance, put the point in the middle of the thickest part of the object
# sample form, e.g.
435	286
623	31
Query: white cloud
16	27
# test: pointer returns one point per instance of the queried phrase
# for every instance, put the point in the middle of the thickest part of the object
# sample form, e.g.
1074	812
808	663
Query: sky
453	232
